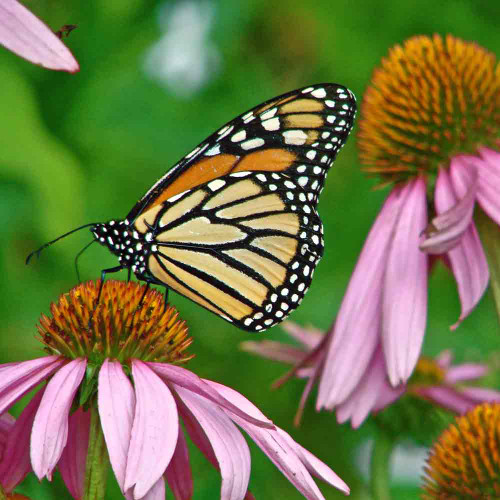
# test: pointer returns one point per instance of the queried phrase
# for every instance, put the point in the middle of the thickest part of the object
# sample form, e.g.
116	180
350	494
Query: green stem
380	466
3	496
97	460
490	237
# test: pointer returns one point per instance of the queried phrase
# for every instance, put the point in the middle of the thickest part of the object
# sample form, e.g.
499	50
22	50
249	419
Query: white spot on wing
319	93
215	150
239	136
296	137
252	143
271	124
216	184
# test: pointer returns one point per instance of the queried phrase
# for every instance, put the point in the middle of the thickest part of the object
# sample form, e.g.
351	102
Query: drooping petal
116	403
154	432
457	400
50	428
466	371
309	337
228	445
404	301
286	458
15	463
481	394
447	228
178	473
19	378
444	359
368	393
184	378
283	457
74	456
467	259
314	465
357	328
275	351
23	33
488	168
156	492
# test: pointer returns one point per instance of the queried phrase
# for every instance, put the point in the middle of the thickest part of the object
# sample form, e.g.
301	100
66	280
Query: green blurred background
157	78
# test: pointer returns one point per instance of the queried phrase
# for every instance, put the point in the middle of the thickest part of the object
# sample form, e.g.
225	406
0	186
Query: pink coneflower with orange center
112	385
430	129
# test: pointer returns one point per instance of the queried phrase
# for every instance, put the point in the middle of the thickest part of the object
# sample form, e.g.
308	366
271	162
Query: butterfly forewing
298	134
244	246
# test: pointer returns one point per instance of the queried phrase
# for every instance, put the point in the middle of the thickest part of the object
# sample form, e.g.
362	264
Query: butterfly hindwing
297	134
244	246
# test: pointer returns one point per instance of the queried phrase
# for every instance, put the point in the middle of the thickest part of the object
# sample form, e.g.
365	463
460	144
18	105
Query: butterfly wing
297	134
243	245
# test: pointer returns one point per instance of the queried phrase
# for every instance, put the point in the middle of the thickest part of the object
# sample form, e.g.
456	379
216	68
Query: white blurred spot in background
407	462
184	58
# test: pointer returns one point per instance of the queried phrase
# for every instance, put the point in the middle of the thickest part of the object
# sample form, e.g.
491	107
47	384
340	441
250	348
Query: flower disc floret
430	99
128	321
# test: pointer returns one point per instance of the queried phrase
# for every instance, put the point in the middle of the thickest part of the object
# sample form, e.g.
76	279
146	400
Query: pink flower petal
446	229
444	359
357	328
309	337
275	351
116	403
314	465
184	378
466	371
284	457
447	397
288	459
480	394
154	432
467	259
50	428
19	378
404	301
229	446
156	492
178	473
488	168
27	36
458	400
74	457
6	423
368	392
15	463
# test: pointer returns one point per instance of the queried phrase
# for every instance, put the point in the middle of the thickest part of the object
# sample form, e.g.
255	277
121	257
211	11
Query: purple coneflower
430	128
114	382
435	380
465	461
24	34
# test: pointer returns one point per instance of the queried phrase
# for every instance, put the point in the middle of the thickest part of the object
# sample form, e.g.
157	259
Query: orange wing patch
200	172
271	160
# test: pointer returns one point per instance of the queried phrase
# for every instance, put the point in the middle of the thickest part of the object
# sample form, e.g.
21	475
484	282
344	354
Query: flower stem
97	460
490	236
3	496
380	466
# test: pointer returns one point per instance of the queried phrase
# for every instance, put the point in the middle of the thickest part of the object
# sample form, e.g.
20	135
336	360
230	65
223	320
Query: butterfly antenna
37	252
78	256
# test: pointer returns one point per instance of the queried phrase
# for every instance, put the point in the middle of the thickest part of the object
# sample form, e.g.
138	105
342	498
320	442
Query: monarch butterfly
233	226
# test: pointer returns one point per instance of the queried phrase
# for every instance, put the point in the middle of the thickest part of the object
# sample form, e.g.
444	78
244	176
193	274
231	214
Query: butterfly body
233	226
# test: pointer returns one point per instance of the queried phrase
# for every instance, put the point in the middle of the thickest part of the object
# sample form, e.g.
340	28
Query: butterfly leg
103	277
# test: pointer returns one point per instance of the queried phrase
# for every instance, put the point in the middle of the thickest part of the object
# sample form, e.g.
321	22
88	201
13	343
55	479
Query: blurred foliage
84	147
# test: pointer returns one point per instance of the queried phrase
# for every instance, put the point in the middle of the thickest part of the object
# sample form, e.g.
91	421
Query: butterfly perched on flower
233	226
